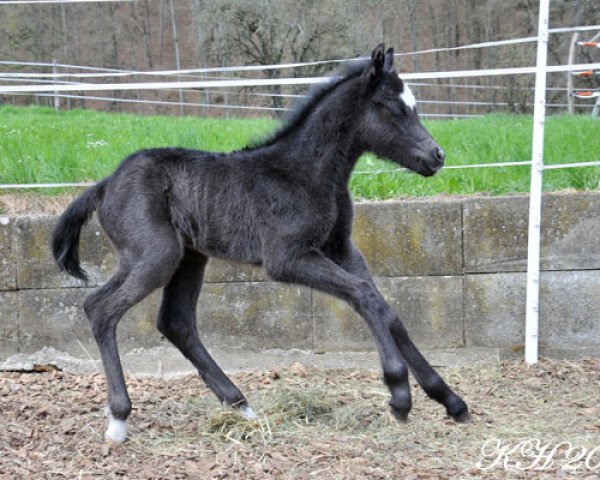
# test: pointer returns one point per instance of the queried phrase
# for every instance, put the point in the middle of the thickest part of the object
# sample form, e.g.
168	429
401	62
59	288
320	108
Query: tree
269	32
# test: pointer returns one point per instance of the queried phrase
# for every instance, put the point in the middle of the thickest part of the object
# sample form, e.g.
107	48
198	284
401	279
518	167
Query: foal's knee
92	310
102	316
368	301
171	326
162	324
176	317
89	304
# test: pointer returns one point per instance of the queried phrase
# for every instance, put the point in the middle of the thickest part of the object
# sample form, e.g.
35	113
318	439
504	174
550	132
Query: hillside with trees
189	34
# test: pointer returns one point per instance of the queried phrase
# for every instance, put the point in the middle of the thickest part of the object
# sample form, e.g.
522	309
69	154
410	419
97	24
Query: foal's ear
377	62
388	62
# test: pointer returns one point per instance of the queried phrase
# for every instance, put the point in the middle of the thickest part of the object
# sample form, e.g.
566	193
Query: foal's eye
390	94
395	109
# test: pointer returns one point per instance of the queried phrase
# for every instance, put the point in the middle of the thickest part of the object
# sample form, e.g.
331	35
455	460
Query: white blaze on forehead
408	98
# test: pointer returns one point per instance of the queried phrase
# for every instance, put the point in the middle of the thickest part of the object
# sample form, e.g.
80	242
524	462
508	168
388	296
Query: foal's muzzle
433	162
440	155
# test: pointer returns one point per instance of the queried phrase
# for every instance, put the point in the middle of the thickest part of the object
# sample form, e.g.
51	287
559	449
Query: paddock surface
313	423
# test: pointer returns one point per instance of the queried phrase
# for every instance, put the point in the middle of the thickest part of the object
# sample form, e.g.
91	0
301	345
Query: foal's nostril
440	154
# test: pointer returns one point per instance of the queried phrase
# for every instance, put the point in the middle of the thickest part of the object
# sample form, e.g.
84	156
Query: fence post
572	48
56	99
532	315
596	110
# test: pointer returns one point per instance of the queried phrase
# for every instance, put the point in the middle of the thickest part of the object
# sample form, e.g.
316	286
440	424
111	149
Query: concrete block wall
453	268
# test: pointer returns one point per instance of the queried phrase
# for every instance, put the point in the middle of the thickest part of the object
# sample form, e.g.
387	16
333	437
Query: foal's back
217	204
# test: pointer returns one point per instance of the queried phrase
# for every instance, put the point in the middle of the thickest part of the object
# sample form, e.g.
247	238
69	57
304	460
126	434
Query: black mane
303	107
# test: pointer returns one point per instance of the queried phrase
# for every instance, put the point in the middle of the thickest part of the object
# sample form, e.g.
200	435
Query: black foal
283	204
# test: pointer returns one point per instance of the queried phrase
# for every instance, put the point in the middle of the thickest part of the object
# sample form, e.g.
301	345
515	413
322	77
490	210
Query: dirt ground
313	424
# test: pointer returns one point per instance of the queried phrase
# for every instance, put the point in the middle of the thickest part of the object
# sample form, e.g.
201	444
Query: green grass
38	145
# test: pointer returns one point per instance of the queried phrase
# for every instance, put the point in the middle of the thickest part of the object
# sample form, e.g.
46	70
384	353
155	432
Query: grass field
38	145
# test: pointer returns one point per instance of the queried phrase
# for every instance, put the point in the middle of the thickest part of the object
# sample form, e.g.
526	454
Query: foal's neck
324	146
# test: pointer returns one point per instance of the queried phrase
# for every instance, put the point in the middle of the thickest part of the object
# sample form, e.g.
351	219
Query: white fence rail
258	82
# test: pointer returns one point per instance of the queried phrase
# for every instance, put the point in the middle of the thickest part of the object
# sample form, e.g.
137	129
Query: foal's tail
65	237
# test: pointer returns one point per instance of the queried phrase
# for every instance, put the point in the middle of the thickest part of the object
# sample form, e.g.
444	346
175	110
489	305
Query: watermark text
535	454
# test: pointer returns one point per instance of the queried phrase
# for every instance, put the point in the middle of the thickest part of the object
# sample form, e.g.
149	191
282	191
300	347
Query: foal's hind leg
177	322
138	275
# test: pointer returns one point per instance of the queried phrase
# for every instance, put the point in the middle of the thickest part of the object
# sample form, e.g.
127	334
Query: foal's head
390	126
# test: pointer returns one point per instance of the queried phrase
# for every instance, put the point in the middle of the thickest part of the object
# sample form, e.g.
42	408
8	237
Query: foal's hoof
115	438
459	411
464	417
116	432
248	413
400	414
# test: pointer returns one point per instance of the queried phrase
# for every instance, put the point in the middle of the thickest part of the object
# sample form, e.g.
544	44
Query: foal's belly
229	239
238	251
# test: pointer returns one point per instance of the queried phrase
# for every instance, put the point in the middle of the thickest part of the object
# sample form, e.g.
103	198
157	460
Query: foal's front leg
395	371
312	269
398	344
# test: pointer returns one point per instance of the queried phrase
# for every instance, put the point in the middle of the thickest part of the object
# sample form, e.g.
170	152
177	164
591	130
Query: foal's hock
283	203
